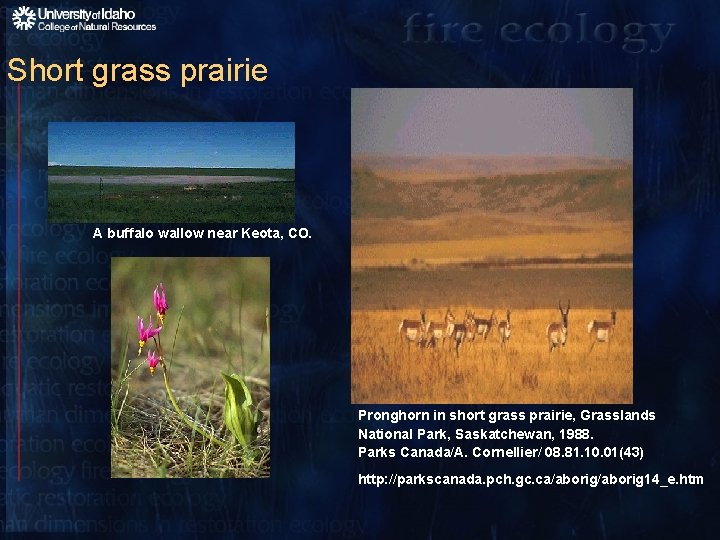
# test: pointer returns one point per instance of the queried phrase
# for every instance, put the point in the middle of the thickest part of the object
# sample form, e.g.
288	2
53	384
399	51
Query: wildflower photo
190	367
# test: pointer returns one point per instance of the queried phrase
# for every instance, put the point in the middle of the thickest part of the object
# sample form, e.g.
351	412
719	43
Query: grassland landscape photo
122	172
525	245
191	400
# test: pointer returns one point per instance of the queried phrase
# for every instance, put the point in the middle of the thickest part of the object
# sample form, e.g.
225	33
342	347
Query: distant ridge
86	170
463	167
602	192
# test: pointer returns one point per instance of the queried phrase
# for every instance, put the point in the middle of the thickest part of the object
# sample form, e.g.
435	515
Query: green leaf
239	417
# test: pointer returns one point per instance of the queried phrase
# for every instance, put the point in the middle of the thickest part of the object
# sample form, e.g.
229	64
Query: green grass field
261	202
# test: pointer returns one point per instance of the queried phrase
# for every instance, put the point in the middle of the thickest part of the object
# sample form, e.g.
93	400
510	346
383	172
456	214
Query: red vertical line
18	286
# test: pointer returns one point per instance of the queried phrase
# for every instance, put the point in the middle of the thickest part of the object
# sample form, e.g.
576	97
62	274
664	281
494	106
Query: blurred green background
223	302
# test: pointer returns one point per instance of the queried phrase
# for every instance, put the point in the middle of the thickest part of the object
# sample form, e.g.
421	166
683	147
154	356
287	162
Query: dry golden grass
470	224
572	244
385	369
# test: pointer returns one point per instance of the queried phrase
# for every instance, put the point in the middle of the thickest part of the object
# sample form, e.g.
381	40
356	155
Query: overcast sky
489	121
173	144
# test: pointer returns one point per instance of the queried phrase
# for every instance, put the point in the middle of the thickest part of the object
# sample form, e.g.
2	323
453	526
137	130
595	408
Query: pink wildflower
153	360
146	333
161	305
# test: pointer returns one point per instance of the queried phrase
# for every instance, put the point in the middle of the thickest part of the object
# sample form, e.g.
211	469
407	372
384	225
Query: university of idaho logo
23	18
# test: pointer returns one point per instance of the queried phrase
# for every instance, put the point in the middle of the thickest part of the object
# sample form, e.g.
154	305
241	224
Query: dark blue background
316	51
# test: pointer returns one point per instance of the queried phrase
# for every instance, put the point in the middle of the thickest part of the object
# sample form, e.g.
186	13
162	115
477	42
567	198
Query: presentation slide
361	270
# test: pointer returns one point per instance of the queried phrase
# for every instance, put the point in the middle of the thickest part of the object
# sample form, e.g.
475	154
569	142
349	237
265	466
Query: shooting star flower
153	361
146	333
161	305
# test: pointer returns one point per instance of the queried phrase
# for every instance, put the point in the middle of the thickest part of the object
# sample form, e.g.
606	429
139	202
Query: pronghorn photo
557	332
467	236
601	331
504	329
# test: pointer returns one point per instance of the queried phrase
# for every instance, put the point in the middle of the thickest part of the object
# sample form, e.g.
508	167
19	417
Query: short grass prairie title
21	70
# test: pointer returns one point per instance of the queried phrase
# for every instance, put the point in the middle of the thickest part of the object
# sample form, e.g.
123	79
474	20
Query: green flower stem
195	426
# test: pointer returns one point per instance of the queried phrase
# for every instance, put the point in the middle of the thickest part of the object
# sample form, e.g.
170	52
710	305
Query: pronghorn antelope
435	331
470	326
413	330
504	329
557	332
484	326
449	324
600	331
457	332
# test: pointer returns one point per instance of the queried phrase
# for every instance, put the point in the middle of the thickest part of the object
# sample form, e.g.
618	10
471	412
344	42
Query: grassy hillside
604	193
563	213
416	169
